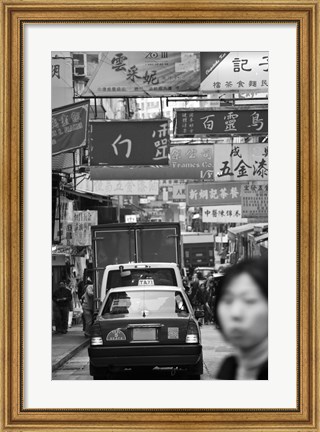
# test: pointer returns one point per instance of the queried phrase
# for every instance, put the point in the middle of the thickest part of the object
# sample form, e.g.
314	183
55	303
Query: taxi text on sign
129	142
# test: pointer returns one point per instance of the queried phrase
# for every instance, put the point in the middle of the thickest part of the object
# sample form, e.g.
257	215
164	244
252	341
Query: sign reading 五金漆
186	162
223	214
241	162
220	122
254	200
234	71
81	228
130	142
69	127
208	193
141	73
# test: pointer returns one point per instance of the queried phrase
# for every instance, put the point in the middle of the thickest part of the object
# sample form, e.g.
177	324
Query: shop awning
88	195
242	229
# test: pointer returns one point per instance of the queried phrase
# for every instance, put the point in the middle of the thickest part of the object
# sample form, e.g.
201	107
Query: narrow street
214	350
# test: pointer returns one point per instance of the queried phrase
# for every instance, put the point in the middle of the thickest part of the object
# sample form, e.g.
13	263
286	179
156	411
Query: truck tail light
192	333
96	336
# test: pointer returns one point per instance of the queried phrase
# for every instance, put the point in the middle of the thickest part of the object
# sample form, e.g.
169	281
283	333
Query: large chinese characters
119	143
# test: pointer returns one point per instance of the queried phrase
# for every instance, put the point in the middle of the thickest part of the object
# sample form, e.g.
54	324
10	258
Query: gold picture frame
305	14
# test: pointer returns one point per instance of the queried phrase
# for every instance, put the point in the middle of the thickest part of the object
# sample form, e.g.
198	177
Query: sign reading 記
69	127
130	142
209	193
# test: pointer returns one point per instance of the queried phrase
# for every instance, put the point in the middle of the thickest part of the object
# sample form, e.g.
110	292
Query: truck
124	243
198	249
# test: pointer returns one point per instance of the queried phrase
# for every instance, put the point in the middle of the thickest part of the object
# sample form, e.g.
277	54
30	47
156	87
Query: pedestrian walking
242	313
62	299
88	307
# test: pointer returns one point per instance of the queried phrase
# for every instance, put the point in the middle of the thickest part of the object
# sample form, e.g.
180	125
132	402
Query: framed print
168	121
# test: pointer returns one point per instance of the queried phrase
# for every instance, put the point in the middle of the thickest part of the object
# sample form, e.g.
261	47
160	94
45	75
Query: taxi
145	326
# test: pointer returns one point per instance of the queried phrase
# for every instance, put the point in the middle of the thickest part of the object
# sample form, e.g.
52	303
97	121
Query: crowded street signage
61	81
69	127
210	193
241	162
81	227
179	192
234	71
254	200
222	214
186	162
213	122
121	187
129	142
144	73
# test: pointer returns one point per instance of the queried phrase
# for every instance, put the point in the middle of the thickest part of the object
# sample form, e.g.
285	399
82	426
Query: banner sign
186	162
254	200
81	228
121	187
222	214
199	194
144	73
63	221
69	127
61	80
234	71
241	161
130	142
212	122
179	192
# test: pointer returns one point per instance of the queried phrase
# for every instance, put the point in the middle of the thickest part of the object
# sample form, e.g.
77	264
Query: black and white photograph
159	229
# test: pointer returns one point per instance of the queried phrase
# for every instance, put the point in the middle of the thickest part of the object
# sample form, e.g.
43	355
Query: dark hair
257	268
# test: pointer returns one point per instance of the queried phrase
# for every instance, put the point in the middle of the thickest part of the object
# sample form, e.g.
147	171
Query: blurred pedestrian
88	307
62	299
242	313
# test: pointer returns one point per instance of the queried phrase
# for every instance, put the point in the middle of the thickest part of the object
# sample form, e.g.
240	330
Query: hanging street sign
234	71
186	162
254	200
129	142
69	127
241	161
145	73
121	187
222	214
210	193
213	122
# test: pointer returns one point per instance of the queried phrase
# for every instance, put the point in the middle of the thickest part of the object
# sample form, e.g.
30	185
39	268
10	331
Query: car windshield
154	276
145	303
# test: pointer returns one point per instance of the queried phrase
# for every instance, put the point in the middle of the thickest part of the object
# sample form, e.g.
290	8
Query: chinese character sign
241	162
234	71
208	193
121	187
254	200
220	122
186	162
69	127
61	81
137	73
81	227
140	142
179	192
223	214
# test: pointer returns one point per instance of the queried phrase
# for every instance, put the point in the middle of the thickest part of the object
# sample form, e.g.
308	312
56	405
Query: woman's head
242	303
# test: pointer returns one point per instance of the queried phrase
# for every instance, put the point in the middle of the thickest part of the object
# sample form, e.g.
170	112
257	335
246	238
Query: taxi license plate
144	334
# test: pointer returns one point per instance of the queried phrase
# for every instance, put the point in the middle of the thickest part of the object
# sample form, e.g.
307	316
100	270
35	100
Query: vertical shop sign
254	200
81	229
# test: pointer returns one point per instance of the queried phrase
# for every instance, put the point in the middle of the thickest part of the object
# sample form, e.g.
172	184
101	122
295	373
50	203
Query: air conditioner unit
79	71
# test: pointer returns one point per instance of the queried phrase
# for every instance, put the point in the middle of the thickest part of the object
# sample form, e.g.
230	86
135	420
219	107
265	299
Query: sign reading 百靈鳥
220	122
208	193
222	214
186	162
234	71
145	73
254	200
241	162
69	127
130	142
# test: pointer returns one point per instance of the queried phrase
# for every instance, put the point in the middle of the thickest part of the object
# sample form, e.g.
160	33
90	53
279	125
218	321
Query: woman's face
243	312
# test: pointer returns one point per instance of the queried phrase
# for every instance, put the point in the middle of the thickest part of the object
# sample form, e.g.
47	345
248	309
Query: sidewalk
65	346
